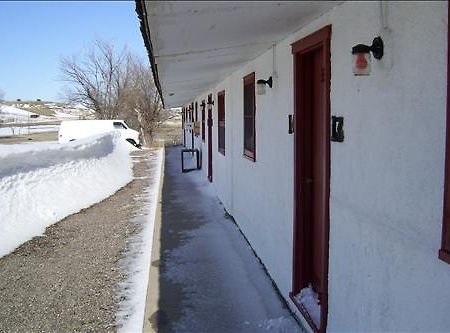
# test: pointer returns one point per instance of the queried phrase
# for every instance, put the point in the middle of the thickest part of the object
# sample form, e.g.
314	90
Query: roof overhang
194	45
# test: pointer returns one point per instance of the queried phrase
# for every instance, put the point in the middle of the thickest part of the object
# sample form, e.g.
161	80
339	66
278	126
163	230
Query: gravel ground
67	280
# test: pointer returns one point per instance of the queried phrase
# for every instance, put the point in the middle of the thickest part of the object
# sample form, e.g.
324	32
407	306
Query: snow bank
130	317
7	110
41	184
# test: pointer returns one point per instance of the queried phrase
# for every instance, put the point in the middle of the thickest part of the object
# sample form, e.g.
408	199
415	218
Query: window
203	120
119	125
221	121
249	117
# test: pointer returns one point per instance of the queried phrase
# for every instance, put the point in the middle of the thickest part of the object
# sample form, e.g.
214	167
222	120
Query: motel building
323	127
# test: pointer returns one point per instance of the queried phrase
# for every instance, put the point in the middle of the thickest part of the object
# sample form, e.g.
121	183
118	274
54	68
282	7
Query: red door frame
319	39
210	125
203	120
444	252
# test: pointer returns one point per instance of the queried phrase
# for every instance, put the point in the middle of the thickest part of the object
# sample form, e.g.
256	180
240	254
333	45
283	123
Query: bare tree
144	103
115	85
98	80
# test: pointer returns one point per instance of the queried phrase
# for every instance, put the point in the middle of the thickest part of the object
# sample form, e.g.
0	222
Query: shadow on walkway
204	276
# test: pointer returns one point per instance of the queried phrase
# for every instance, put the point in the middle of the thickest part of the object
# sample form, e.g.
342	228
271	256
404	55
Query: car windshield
119	125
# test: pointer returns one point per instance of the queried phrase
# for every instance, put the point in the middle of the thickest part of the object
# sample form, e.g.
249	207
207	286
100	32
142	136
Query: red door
312	165
210	124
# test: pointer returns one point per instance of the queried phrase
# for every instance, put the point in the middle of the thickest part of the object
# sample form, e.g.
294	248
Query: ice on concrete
223	286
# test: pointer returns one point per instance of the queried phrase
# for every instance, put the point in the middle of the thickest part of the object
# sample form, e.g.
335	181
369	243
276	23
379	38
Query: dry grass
35	137
38	107
167	136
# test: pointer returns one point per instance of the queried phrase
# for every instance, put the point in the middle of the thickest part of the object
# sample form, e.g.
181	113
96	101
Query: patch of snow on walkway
42	183
130	317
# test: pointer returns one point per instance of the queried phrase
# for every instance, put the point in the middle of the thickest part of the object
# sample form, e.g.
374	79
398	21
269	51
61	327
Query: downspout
386	33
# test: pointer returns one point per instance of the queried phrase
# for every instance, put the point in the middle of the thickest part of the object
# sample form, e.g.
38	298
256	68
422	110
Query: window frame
221	122
248	80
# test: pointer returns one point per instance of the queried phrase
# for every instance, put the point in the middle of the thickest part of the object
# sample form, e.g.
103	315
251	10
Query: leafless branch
115	85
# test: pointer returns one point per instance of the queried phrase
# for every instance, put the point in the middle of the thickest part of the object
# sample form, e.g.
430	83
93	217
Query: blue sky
34	35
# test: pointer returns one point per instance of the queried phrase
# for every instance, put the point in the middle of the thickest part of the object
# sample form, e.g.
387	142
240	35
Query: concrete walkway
204	276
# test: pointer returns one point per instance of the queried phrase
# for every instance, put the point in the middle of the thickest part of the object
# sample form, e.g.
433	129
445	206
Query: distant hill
25	111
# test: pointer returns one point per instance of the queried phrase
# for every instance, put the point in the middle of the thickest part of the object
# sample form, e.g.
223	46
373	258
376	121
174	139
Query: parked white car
71	130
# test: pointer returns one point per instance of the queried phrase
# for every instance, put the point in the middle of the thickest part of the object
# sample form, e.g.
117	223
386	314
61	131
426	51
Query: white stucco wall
386	177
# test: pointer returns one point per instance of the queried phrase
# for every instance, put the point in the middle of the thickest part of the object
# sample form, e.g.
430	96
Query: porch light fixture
210	102
203	104
261	84
361	56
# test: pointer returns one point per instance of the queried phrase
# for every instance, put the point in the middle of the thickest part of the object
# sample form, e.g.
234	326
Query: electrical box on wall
337	129
197	128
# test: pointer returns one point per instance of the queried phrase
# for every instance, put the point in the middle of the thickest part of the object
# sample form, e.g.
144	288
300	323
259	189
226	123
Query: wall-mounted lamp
261	84
203	104
361	56
210	101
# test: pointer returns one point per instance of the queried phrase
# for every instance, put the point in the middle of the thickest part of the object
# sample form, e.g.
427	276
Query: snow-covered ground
16	130
11	112
64	115
23	112
131	311
42	183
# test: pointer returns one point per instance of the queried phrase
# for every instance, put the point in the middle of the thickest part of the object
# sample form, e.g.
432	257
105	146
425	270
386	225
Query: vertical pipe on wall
383	15
385	32
274	68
